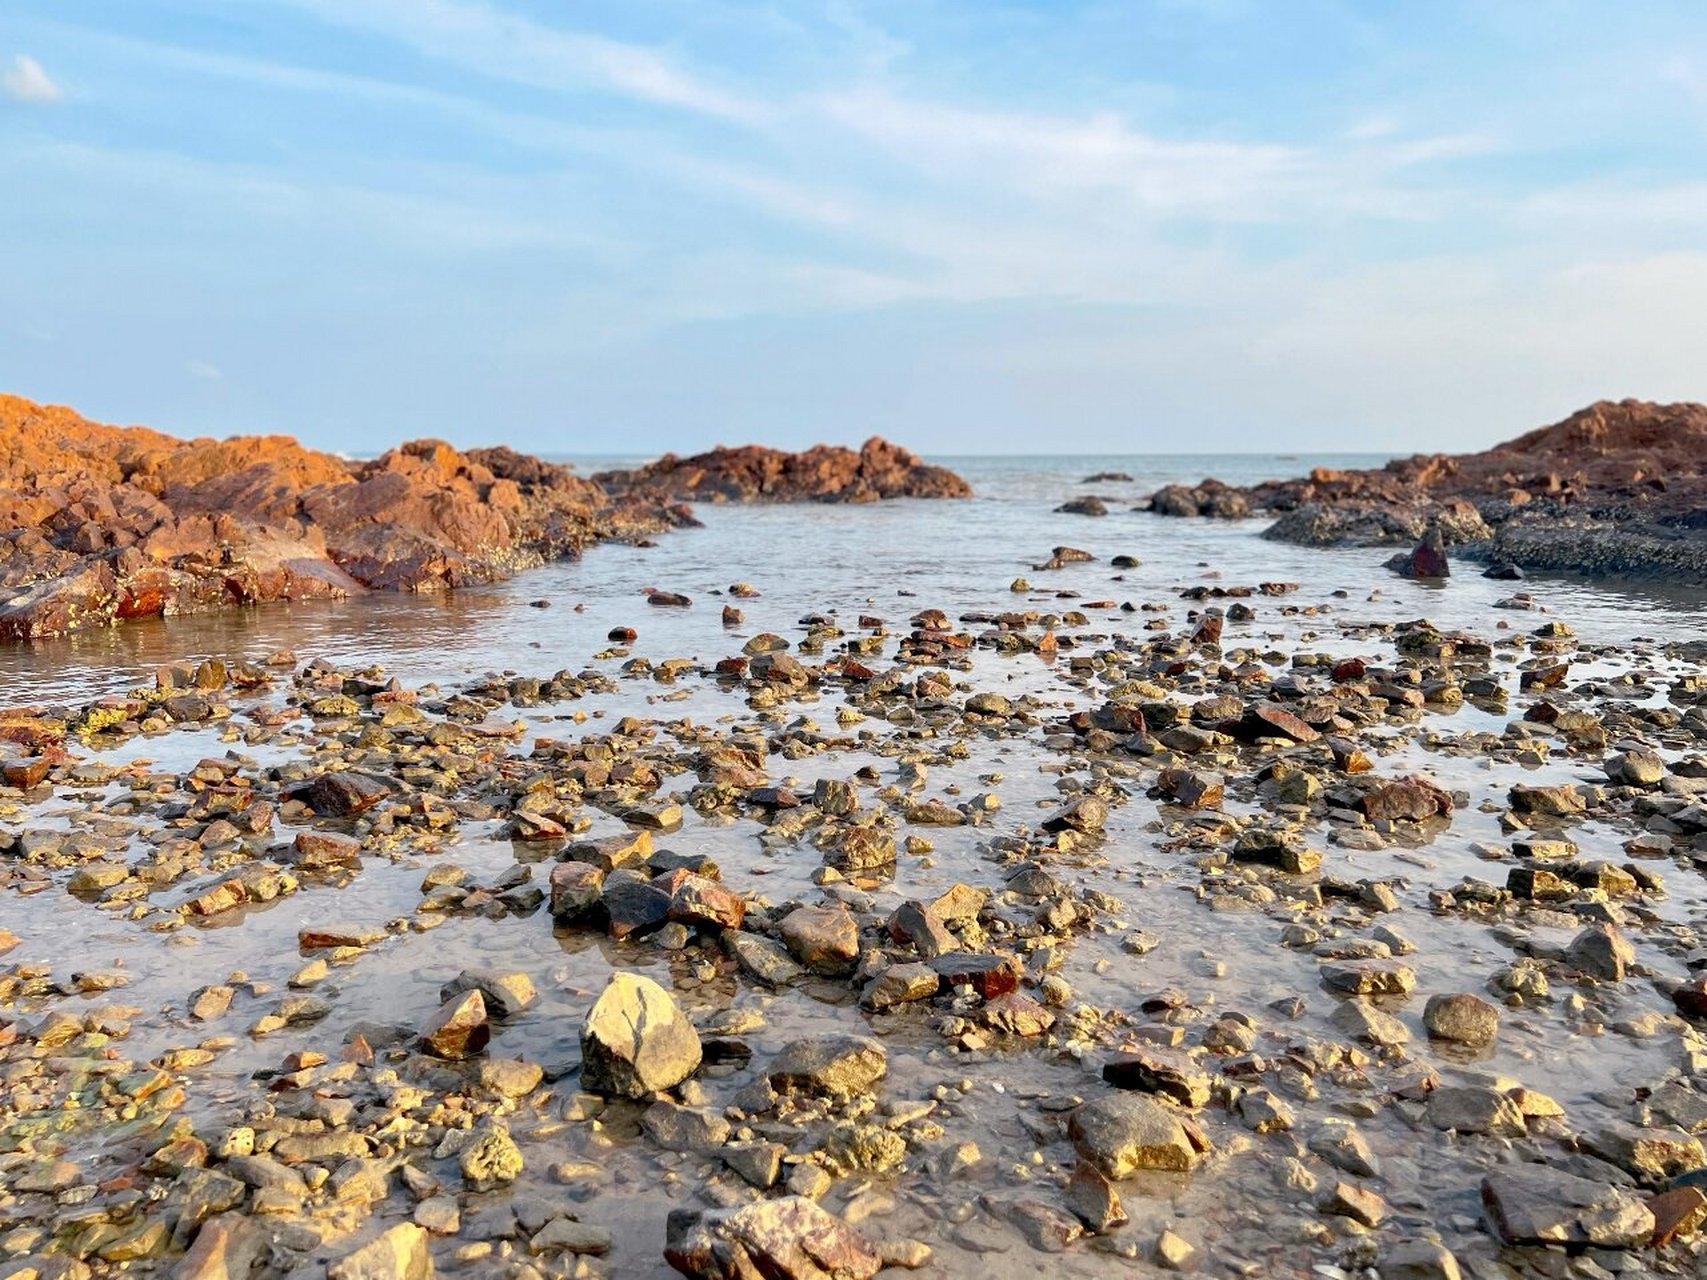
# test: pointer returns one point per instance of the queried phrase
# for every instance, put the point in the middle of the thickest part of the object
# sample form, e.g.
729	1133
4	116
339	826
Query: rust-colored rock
786	1239
1412	797
1266	720
460	1028
1677	1213
102	524
825	473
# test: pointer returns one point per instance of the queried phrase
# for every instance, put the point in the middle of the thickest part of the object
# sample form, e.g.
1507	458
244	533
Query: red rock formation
825	473
101	524
1653	455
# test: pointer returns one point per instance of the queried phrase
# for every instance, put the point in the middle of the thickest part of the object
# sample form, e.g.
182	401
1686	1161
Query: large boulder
636	1041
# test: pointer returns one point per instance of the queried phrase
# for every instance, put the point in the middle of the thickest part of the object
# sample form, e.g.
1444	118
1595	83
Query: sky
1017	226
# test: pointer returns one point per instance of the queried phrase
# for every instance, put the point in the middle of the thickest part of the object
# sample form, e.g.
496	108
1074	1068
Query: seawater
888	558
892	559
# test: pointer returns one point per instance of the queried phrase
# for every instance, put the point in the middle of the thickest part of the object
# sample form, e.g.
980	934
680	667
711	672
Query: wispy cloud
1055	154
505	46
1107	202
27	81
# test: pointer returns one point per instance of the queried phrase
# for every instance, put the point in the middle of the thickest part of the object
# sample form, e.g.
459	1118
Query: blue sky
1170	225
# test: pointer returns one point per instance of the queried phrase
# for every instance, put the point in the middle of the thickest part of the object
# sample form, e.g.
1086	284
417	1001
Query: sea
888	558
892	559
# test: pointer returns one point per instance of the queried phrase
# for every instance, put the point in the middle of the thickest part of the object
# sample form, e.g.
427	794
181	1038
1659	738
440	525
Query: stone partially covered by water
1532	1204
636	1041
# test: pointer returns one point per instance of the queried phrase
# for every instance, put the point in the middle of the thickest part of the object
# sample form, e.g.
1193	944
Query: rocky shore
1093	936
825	473
1615	490
104	524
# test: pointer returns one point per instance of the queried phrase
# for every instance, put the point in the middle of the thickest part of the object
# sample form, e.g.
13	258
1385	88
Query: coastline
913	889
1617	490
921	875
108	524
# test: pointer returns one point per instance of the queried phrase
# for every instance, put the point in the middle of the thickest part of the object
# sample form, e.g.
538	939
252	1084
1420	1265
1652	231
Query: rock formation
824	473
103	524
1616	488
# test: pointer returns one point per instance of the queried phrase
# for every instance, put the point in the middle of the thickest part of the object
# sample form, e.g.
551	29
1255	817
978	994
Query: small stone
678	1128
565	1235
1124	1133
759	1163
1462	1018
1172	1252
824	939
1637	768
506	992
1162	1071
1364	1021
837	1066
1554	802
899	984
1341	1145
1086	815
1369	977
1602	952
509	1077
440	1215
491	1159
1419	1260
399	1254
1348	1200
789	1238
1677	1214
1534	1204
1094	1200
459	1029
1473	1109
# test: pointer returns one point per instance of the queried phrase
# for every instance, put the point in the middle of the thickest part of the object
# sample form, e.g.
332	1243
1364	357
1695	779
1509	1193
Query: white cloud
202	371
27	81
1051	154
1380	125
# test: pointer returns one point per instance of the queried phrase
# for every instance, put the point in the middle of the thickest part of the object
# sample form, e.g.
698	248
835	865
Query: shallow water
889	557
892	559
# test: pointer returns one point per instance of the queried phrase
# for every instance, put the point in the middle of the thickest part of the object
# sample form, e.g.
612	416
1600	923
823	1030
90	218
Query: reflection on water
958	556
891	559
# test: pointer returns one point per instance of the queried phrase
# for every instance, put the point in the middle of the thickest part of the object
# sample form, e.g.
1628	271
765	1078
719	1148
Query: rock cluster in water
825	473
1616	489
104	524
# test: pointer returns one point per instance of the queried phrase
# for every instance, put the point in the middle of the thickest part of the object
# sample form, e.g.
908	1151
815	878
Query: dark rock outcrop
1617	489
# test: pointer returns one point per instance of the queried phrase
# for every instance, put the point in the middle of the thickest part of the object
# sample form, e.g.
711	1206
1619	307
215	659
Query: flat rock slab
1534	1204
